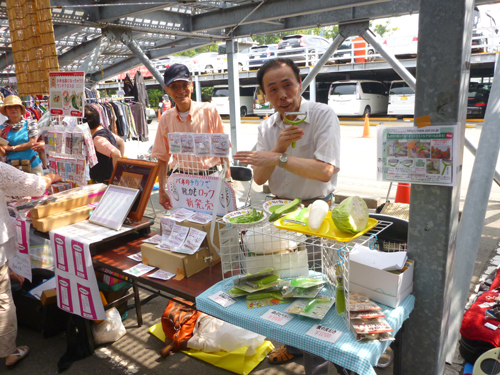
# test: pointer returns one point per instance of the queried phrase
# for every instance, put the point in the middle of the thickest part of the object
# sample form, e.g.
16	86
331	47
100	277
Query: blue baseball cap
176	72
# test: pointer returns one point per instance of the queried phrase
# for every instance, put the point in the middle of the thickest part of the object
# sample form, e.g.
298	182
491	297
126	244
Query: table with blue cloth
345	352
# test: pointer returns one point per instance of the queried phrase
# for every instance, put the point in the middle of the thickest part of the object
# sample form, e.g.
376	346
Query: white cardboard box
383	282
390	301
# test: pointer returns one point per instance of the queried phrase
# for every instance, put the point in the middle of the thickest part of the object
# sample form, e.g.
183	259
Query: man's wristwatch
283	159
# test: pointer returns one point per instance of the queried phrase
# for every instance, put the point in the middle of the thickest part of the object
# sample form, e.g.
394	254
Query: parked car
349	49
150	115
220	97
356	98
479	93
402	45
401	99
208	63
163	63
258	55
303	49
242	56
261	107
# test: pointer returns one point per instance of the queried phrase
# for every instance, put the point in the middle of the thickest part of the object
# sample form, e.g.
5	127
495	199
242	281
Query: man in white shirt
307	171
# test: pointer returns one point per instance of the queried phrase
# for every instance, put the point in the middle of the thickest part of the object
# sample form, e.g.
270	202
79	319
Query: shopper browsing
188	116
308	170
13	182
108	146
21	134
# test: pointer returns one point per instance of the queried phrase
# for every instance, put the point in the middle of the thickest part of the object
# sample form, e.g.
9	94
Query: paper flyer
67	93
21	262
166	227
202	144
193	241
162	275
201	218
418	155
174	143
220	145
187	143
76	284
139	270
177	237
180	214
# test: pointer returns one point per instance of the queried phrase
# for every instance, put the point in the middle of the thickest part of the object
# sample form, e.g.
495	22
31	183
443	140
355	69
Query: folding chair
243	174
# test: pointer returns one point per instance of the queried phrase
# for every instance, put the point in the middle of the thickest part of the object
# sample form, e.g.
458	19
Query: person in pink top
188	116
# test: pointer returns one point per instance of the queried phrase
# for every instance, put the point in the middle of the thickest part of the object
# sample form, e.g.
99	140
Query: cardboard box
205	228
170	261
81	197
48	296
389	287
62	219
390	301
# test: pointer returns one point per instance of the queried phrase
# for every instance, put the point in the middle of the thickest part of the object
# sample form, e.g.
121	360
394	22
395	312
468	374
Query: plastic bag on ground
109	330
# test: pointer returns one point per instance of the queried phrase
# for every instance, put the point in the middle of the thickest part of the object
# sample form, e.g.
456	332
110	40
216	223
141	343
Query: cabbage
351	215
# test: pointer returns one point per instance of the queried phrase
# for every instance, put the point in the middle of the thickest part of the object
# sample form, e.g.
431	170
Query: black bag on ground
471	350
48	319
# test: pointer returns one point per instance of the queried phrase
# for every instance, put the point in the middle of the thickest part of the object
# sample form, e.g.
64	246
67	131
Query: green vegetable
311	305
285	209
291	122
351	215
251	217
317	213
255	296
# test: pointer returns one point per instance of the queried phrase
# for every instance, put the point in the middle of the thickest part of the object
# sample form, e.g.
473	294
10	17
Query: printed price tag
277	317
491	326
222	299
324	333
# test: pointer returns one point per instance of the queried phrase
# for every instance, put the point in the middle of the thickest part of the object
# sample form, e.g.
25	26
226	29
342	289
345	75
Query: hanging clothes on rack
141	124
140	94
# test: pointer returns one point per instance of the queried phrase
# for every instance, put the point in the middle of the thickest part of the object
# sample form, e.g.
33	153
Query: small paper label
324	333
137	257
222	299
490	326
162	275
139	270
277	317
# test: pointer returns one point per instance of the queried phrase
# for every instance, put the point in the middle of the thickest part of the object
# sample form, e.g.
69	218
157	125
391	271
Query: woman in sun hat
21	134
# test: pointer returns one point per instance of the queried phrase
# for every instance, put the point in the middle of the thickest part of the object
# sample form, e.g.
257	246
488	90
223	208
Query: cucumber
285	209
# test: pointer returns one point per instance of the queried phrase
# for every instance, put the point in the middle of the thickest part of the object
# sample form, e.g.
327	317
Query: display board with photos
136	174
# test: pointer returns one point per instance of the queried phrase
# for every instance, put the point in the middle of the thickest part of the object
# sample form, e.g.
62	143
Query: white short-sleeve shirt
321	141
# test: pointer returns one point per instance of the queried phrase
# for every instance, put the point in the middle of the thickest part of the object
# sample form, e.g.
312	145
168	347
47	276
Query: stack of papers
377	259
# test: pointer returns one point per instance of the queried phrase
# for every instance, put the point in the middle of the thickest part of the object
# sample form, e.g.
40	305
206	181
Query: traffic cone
403	193
159	113
366	128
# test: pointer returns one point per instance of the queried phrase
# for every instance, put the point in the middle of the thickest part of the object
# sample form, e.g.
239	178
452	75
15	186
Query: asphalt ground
137	352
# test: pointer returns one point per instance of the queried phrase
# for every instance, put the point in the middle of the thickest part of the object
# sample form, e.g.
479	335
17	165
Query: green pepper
292	122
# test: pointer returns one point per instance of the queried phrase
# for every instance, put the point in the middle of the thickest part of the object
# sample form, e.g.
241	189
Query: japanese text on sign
67	93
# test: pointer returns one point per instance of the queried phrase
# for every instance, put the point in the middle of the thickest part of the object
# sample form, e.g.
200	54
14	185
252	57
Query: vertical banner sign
21	262
417	155
67	93
77	290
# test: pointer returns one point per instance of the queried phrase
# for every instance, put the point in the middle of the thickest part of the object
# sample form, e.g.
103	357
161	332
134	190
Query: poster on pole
67	93
418	155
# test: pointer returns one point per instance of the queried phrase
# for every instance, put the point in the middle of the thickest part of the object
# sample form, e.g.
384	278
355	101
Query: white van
220	98
401	99
358	98
260	106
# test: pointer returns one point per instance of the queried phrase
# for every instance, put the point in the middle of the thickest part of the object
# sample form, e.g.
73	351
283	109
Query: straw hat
12	100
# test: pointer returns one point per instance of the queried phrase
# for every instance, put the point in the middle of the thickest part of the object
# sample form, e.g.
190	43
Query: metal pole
328	53
197	88
472	149
312	89
234	91
442	72
474	212
93	57
391	59
139	53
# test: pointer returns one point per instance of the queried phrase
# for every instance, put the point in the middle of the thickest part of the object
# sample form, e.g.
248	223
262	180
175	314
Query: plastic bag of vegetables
351	215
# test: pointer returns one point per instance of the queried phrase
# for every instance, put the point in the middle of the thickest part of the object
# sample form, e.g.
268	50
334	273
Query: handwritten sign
277	317
222	299
324	333
198	193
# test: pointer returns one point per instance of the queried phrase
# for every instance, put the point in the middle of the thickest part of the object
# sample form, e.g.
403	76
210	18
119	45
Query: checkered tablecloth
345	351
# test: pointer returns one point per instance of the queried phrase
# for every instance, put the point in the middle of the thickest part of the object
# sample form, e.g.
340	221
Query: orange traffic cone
159	113
403	193
366	128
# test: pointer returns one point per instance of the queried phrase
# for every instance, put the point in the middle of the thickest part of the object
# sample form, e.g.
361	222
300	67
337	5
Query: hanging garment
141	124
141	92
128	86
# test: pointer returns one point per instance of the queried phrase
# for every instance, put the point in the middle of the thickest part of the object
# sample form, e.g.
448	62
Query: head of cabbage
351	215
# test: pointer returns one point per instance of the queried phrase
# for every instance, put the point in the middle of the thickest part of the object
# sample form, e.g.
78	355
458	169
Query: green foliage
384	30
154	96
192	52
206	94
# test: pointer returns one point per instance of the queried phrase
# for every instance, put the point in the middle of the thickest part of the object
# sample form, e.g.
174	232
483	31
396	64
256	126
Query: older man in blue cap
188	116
